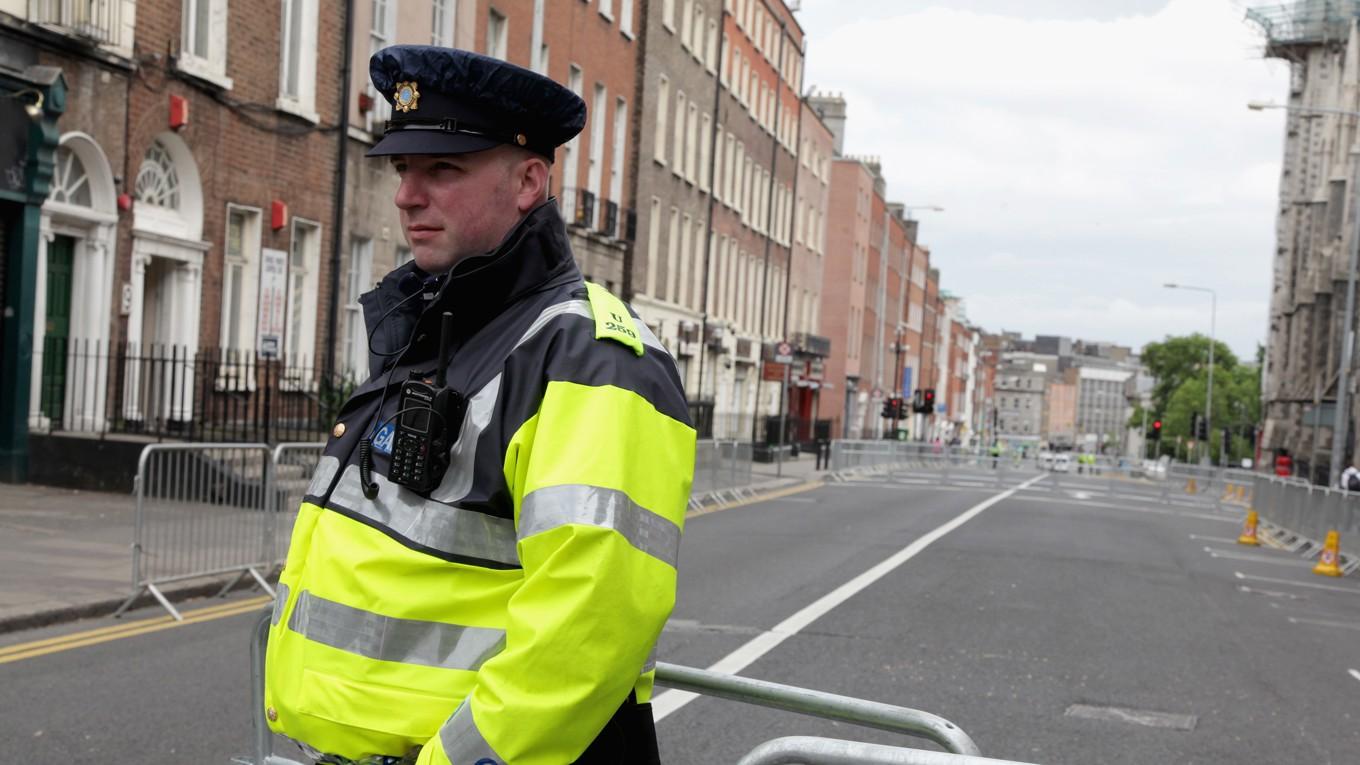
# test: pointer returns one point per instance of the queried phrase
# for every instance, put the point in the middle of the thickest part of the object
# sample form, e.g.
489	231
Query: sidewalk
67	554
64	554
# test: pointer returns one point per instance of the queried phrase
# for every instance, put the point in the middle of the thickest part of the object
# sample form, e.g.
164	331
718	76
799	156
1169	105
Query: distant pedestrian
1350	479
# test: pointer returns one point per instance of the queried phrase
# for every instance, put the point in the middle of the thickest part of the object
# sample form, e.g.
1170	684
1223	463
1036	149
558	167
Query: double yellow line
36	648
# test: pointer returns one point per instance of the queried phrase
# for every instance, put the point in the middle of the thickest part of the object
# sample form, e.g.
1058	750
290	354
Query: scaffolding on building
1306	22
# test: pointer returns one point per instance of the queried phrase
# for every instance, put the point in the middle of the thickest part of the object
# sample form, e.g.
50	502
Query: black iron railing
172	392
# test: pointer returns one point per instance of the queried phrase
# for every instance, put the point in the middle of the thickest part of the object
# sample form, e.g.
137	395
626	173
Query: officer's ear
530	175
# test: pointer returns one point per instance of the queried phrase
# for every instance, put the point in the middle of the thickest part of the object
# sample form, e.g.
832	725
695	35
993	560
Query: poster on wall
906	383
273	302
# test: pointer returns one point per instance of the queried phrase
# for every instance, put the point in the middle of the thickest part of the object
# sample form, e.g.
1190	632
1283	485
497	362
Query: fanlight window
157	180
70	182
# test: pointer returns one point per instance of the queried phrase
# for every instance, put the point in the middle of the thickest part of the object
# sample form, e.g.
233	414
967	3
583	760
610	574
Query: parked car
1062	463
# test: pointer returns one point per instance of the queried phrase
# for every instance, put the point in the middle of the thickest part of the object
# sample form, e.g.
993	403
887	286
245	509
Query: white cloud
1082	162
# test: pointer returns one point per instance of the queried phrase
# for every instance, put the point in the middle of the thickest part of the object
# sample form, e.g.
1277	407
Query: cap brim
429	142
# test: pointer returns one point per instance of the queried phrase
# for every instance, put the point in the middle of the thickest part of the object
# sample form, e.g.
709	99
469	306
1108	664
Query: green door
60	254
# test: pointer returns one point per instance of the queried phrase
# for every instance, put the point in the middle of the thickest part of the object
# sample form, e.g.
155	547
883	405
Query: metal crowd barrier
1301	514
721	465
211	510
799	749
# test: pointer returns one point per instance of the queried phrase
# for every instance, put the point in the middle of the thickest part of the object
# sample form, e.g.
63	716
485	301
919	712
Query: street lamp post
1208	394
1340	419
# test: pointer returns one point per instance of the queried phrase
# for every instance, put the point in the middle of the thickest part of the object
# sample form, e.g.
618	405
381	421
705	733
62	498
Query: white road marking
1314	585
1127	508
1354	673
1220	540
1271	593
1324	623
1234	555
733	663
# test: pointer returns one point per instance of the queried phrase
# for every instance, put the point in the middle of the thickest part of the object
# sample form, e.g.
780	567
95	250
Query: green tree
1178	359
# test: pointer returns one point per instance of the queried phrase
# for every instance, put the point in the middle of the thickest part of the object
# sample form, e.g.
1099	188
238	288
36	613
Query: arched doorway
74	276
167	277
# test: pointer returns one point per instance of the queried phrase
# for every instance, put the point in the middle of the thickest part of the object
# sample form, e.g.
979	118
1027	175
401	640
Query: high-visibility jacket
508	615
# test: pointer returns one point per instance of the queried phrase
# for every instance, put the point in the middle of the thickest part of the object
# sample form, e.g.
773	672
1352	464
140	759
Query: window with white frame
497	34
442	14
599	107
297	65
304	278
626	17
203	49
240	279
687	24
570	157
711	49
686	259
616	159
673	255
653	243
691	141
663	98
678	152
697	43
356	345
668	14
380	34
705	145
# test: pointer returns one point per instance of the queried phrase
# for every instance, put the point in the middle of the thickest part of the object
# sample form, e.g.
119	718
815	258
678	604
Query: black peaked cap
449	101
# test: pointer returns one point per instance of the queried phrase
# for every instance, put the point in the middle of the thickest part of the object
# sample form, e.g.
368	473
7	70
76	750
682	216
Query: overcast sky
1085	152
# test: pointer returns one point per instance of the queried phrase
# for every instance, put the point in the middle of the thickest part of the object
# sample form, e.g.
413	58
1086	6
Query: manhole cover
1135	716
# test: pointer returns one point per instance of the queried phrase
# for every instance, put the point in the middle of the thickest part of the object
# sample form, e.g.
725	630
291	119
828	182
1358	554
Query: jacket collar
534	256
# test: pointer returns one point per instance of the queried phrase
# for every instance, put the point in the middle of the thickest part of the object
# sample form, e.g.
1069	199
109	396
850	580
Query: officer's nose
410	194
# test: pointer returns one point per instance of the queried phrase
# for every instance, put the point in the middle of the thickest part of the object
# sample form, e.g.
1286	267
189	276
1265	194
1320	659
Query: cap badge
520	139
407	97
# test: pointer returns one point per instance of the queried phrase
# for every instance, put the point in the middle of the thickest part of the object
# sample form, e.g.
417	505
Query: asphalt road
1041	601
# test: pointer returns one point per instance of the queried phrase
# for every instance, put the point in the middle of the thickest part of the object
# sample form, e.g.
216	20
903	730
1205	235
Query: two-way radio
428	420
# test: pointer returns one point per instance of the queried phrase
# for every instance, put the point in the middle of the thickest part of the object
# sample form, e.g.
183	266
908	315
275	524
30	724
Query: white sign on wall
273	302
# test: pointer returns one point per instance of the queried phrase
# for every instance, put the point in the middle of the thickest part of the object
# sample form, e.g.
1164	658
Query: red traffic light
1156	424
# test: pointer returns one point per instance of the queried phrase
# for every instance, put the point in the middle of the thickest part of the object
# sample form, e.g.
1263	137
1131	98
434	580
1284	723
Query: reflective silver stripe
650	664
457	481
322	477
280	600
582	308
463	743
440	527
386	638
554	506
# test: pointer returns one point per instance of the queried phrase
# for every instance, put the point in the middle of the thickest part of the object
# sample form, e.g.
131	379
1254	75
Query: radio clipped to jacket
429	416
428	419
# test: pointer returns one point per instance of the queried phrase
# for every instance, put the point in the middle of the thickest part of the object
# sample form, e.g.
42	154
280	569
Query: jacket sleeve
600	477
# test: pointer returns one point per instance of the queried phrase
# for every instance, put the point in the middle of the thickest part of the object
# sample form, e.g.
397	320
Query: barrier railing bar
830	706
807	750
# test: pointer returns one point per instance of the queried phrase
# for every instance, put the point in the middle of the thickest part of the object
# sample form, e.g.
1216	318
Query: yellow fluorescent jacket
507	615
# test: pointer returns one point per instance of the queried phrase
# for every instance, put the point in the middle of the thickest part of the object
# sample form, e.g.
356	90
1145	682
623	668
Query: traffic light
892	407
928	401
1202	429
1156	434
902	410
917	400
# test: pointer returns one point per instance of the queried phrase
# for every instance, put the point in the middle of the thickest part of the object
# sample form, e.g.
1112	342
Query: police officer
486	553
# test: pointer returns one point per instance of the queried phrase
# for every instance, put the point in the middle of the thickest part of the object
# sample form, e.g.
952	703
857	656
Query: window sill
607	14
203	70
295	108
659	161
668	27
626	33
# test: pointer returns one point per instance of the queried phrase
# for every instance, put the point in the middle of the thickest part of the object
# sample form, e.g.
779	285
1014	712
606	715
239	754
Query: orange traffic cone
1327	561
1248	535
